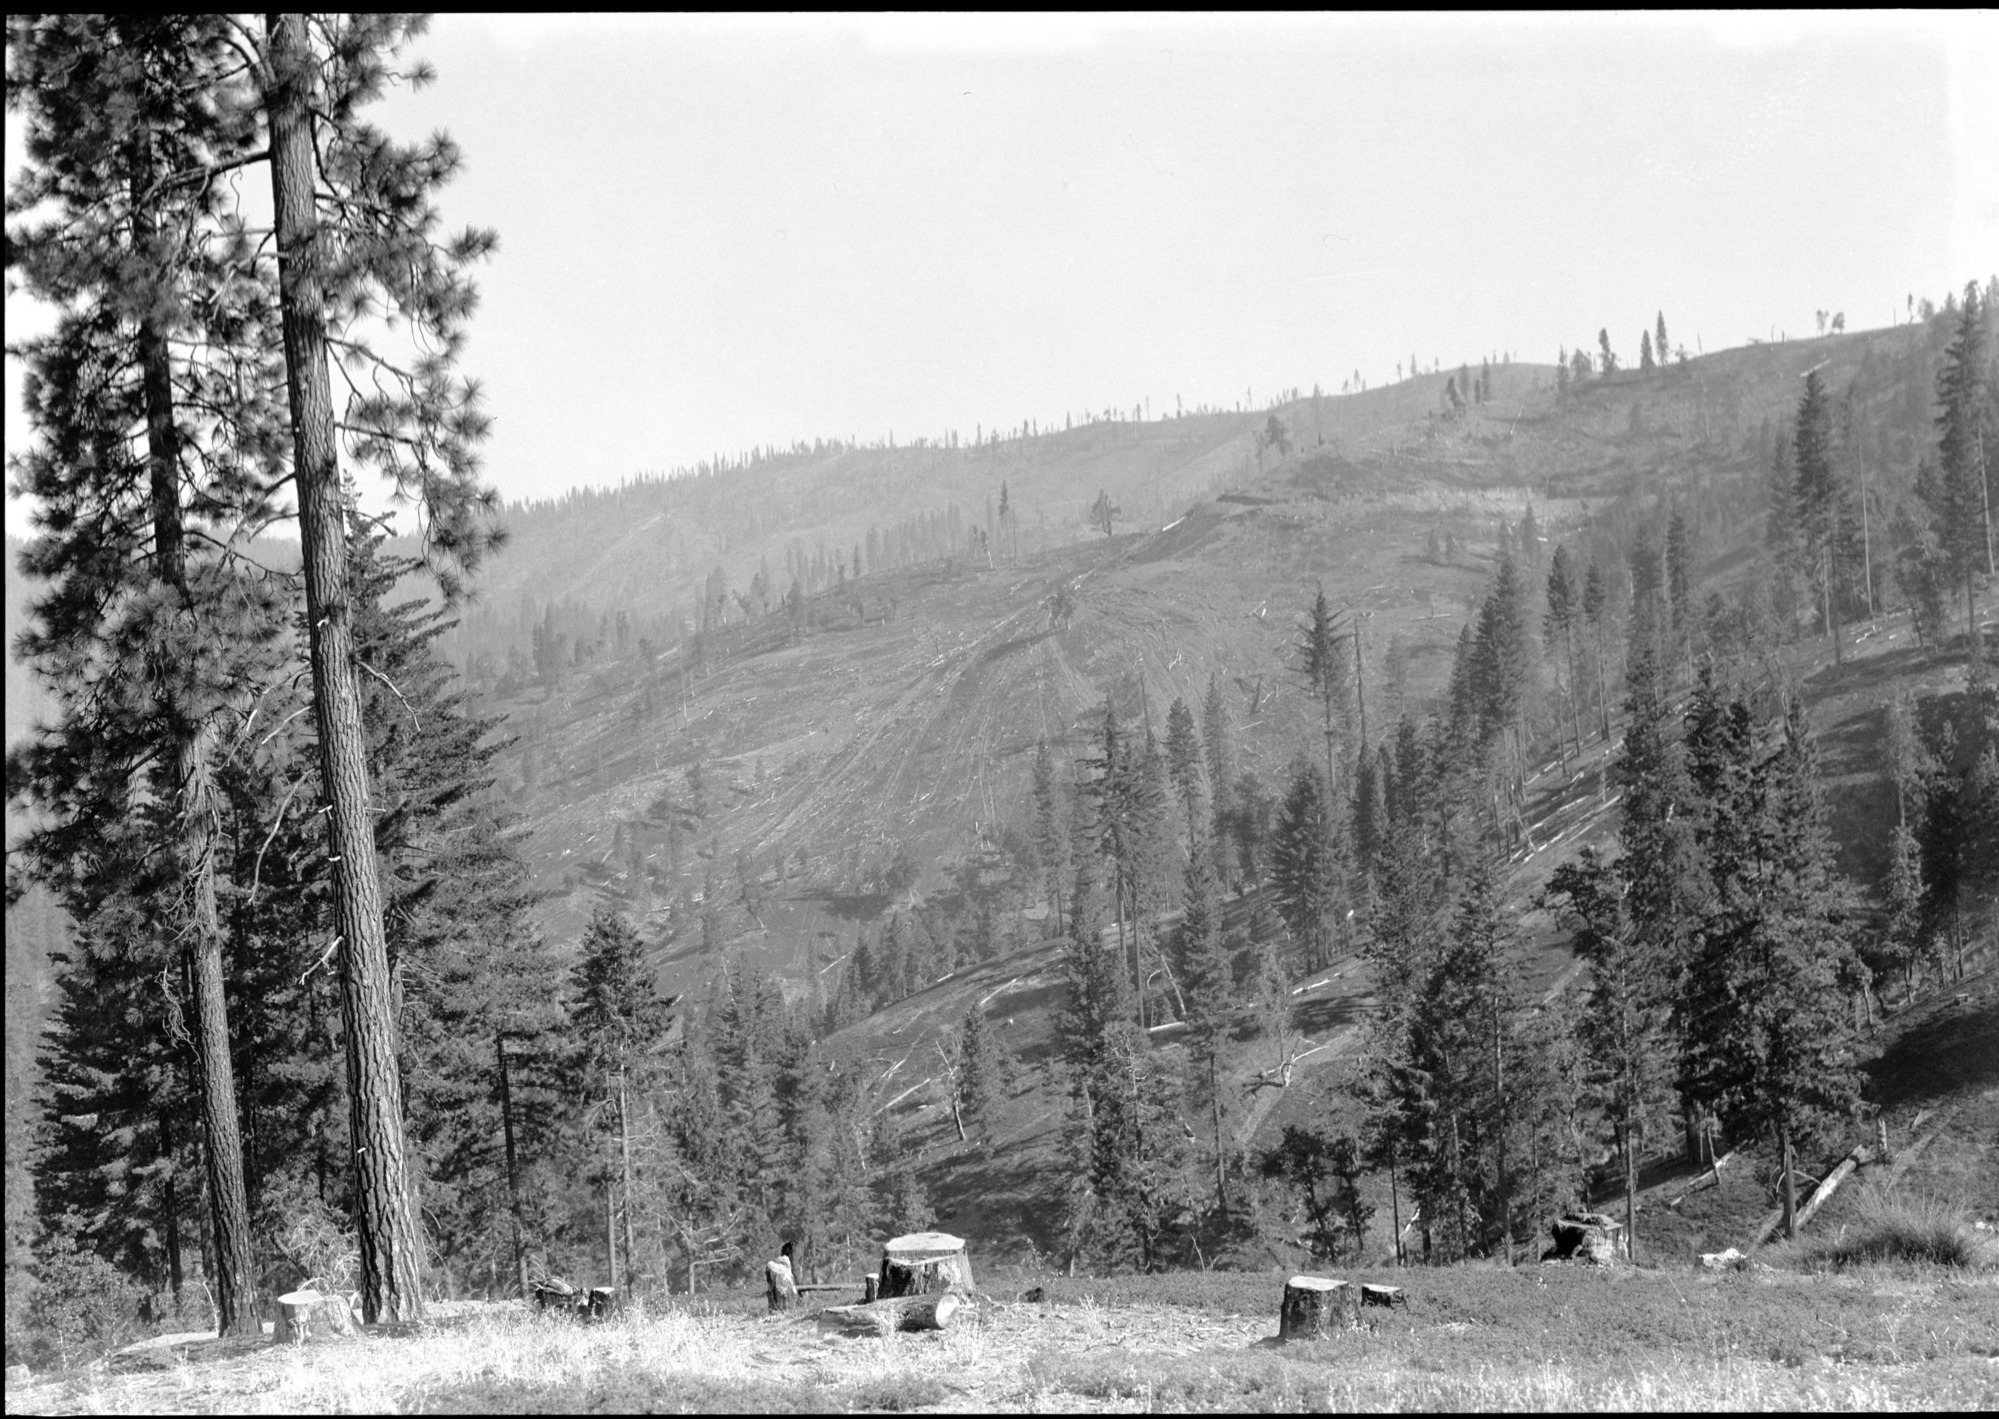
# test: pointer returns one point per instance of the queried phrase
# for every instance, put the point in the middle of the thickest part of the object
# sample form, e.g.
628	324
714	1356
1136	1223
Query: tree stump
555	1294
869	1284
927	1312
779	1288
922	1263
303	1315
1314	1307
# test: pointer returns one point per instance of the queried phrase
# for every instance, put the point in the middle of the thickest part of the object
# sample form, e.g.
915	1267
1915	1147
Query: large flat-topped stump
922	1263
1314	1307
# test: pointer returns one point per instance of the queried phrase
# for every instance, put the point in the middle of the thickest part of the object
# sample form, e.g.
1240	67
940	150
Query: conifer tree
1645	364
421	430
1558	629
1659	345
1774	1041
151	633
1596	609
1219	754
1210	996
1958	496
1820	501
976	1081
1322	662
1622	1029
1183	765
618	1019
1780	530
1302	867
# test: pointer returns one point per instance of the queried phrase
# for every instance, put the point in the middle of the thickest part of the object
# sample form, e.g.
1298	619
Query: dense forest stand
1314	1307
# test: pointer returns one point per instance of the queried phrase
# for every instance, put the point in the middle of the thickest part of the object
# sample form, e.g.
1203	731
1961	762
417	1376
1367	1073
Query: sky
717	233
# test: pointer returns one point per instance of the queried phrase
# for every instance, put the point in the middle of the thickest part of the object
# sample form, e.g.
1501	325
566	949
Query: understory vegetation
1485	1337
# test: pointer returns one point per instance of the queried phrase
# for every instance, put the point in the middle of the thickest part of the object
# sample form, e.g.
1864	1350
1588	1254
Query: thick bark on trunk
391	1248
513	1173
194	816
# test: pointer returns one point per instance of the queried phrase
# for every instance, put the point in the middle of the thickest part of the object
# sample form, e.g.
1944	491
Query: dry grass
1537	1338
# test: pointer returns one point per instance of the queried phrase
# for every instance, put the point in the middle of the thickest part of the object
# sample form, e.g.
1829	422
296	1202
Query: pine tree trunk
513	1167
194	822
1790	1181
391	1248
1395	1205
1630	1190
625	1148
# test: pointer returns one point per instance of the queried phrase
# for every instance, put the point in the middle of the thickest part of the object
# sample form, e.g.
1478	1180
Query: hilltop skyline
724	233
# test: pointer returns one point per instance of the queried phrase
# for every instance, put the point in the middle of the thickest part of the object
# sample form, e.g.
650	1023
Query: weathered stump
922	1263
304	1315
869	1285
1386	1296
1313	1308
603	1301
779	1288
555	1294
928	1312
1589	1237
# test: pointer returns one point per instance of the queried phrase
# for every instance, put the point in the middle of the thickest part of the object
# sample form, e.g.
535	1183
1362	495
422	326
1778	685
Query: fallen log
304	1315
931	1312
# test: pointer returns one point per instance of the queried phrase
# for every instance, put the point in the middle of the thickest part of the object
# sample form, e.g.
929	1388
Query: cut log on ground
922	1263
932	1312
1314	1307
311	1315
779	1287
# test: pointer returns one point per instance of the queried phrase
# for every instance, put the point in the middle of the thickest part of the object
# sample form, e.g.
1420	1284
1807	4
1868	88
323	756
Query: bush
87	1307
1892	1227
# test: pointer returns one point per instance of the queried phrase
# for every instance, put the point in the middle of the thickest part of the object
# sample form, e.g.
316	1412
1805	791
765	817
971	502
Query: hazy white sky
723	232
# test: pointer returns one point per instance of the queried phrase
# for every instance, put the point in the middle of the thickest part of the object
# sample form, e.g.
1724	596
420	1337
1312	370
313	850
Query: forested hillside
1041	830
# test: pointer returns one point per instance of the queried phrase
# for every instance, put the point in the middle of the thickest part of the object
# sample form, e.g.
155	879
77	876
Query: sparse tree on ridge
1606	357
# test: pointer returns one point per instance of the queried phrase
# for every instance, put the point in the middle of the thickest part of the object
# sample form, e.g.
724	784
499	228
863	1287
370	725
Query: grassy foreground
1473	1337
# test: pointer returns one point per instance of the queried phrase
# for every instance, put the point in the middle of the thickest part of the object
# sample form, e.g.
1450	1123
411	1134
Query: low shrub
86	1308
1894	1227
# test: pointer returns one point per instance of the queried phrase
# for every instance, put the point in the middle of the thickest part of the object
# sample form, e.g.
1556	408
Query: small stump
779	1288
1385	1296
870	1284
304	1315
1314	1307
922	1263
